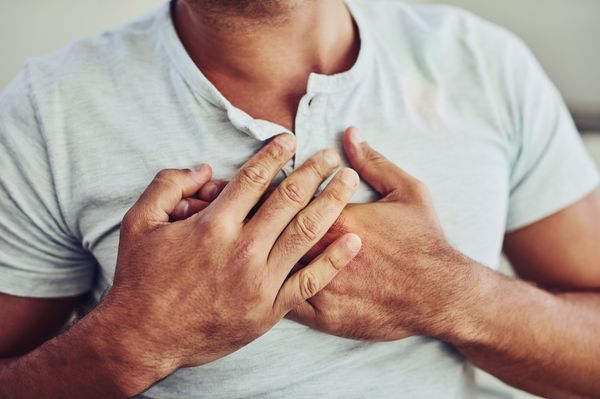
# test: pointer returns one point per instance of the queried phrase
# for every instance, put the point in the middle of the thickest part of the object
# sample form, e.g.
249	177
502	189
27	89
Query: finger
169	187
188	207
253	178
311	224
381	174
327	239
211	190
261	201
307	282
207	194
291	196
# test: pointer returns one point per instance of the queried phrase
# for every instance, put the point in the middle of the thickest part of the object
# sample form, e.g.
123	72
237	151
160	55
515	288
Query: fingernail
356	137
181	208
349	177
353	243
287	141
213	190
209	191
331	158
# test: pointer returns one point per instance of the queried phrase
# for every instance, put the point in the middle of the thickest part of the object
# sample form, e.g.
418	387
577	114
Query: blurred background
564	35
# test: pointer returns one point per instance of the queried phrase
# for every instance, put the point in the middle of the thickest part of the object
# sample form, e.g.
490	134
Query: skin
249	58
544	341
408	281
238	269
238	15
29	322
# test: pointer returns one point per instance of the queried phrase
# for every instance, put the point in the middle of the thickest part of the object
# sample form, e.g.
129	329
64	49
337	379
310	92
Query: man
201	287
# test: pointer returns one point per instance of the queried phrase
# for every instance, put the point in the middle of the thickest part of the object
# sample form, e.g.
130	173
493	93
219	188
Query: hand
407	280
189	292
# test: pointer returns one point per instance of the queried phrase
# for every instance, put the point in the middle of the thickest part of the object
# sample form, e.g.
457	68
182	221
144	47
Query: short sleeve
38	255
551	168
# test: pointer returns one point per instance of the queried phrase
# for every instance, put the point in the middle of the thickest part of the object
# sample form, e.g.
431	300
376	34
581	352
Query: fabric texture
457	102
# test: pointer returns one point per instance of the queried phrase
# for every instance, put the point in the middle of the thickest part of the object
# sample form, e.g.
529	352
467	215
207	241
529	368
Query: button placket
288	168
319	136
303	130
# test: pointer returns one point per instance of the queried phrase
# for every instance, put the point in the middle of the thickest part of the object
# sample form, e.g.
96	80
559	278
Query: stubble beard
226	13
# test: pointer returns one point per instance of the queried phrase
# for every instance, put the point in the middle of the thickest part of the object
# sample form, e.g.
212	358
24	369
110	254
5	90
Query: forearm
91	360
544	343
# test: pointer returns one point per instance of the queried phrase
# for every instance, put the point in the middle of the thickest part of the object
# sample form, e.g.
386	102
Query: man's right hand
192	291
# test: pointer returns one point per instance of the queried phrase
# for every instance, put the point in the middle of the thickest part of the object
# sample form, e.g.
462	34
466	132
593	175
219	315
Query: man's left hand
407	279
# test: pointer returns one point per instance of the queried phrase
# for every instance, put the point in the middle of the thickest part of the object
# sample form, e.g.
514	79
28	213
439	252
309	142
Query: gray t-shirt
456	101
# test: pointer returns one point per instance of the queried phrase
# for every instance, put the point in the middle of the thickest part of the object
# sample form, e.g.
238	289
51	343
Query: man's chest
467	174
465	166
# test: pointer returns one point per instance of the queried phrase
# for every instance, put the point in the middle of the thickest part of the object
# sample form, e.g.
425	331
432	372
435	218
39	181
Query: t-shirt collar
258	128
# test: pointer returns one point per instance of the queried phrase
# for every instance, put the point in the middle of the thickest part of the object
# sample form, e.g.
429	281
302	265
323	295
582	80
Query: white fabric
457	102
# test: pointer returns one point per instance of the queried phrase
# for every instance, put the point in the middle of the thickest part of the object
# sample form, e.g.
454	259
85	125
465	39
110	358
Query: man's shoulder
96	60
438	25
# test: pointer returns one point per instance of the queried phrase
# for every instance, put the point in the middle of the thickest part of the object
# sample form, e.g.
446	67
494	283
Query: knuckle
419	189
166	174
129	217
291	193
336	261
275	150
212	225
309	284
131	229
336	193
309	226
247	249
317	165
129	223
255	175
374	158
169	177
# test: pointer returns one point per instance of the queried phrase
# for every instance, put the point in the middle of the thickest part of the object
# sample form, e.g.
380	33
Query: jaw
263	11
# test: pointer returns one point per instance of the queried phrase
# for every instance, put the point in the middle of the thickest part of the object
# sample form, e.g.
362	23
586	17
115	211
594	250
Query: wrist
121	350
468	291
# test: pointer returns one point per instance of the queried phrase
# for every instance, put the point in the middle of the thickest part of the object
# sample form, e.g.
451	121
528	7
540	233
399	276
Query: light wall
565	34
36	27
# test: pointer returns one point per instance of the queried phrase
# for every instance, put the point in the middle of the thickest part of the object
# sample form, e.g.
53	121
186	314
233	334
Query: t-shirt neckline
260	129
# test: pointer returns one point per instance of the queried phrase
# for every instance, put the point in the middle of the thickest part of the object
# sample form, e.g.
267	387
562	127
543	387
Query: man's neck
268	54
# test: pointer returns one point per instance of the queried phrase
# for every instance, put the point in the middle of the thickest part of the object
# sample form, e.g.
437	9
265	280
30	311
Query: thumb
375	169
167	189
